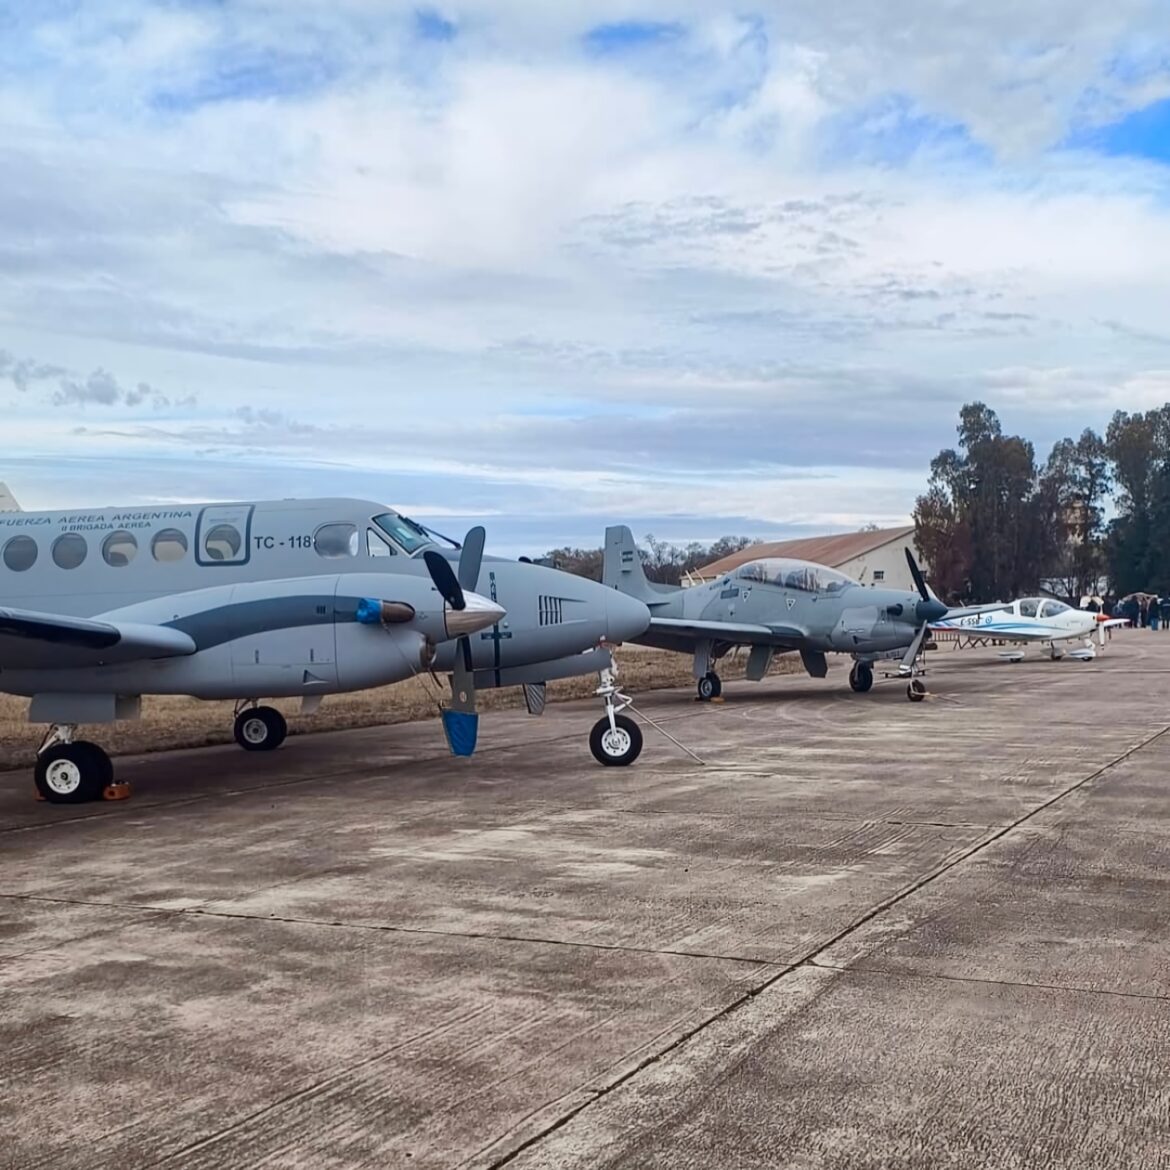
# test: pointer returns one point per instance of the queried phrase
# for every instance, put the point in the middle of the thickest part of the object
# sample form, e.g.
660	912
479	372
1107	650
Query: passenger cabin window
1029	607
222	543
336	540
404	533
378	546
1052	608
20	553
168	546
119	549
69	551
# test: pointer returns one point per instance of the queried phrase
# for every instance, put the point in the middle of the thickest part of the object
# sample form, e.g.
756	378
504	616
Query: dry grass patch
180	722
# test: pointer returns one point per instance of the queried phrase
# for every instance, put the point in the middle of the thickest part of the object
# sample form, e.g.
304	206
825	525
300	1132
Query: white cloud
800	237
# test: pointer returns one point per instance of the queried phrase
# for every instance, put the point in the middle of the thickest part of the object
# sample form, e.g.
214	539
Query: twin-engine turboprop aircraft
275	599
774	606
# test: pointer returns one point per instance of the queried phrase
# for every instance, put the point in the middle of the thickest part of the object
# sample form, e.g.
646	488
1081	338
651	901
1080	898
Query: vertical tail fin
622	568
7	500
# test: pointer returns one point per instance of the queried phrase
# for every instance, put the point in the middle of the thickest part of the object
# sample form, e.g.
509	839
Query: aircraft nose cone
478	614
929	611
625	617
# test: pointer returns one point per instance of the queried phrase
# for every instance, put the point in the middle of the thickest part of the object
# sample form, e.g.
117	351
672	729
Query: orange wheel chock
119	790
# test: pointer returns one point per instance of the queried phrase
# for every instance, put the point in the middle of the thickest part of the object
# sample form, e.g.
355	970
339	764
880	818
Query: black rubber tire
90	764
861	677
631	741
101	761
250	723
916	691
710	686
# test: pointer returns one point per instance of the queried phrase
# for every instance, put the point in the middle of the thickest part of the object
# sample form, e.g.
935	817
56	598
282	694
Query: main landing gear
72	771
259	729
710	687
616	740
861	677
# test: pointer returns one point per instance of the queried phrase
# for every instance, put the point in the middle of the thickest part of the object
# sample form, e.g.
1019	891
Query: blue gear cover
460	728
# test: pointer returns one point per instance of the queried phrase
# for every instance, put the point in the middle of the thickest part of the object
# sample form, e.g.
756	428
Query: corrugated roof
831	550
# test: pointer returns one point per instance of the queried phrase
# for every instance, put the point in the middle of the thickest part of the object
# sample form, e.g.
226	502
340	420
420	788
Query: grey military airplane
275	599
776	606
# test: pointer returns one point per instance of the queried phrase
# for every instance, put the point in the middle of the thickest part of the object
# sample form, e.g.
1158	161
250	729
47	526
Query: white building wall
885	566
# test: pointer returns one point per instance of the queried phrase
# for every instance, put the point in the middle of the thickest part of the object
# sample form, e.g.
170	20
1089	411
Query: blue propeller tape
460	727
369	612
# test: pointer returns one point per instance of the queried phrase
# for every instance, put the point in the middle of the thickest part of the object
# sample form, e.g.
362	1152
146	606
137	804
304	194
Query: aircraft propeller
451	586
927	610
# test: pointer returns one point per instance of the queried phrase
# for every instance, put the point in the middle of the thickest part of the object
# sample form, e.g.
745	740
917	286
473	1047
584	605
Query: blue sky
702	269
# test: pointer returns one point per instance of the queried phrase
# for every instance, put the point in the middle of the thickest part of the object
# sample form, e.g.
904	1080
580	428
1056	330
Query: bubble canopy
800	575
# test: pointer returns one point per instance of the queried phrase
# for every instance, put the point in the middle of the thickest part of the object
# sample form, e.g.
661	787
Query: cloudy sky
549	265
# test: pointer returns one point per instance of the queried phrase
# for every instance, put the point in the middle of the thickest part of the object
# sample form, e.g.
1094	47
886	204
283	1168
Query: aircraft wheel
861	677
617	746
260	729
710	687
916	691
73	773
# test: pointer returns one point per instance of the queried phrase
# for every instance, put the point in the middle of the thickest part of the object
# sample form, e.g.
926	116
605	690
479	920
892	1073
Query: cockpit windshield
800	575
405	533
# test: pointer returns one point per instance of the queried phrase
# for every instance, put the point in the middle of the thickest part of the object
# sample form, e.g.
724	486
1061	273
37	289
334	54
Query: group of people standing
1144	610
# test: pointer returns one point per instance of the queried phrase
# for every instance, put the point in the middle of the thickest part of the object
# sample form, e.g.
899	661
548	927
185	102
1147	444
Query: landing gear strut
71	771
260	729
861	677
710	686
616	740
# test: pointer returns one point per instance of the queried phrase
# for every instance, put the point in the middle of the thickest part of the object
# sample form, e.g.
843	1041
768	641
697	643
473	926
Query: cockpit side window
753	572
378	546
1052	608
1029	607
402	532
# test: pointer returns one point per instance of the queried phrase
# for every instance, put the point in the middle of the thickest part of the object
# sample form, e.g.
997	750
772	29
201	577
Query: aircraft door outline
215	544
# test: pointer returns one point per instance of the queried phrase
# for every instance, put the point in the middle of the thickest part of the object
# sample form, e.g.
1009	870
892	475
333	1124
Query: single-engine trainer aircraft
274	599
1042	620
775	606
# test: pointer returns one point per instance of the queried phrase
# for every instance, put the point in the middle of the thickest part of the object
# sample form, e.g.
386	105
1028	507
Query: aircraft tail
622	568
7	500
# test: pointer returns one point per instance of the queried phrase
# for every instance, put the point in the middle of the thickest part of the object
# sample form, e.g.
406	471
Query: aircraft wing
739	633
47	641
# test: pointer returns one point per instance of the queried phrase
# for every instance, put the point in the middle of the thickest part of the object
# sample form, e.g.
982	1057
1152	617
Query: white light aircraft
1028	620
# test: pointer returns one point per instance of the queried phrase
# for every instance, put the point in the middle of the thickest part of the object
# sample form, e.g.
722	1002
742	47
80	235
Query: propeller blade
911	655
471	557
463	697
919	579
445	580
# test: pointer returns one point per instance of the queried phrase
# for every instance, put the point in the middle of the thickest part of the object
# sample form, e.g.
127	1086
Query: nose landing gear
861	677
616	740
710	687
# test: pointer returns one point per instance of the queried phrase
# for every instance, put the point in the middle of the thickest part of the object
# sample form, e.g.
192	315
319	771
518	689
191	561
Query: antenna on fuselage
8	500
